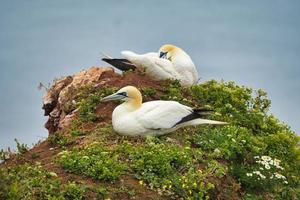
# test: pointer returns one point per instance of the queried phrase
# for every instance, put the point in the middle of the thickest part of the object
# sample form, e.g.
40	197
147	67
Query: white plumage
170	62
150	118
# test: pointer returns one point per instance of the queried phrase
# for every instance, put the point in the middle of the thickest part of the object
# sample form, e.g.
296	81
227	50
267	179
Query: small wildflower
279	176
266	158
267	167
141	182
249	174
217	151
53	174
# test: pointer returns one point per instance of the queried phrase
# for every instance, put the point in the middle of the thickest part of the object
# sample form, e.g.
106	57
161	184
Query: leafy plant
94	161
28	182
72	191
88	105
22	148
58	139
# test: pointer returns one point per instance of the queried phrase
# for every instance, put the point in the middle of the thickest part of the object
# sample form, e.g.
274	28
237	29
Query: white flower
259	174
276	161
266	158
267	166
249	174
217	151
63	152
279	176
285	182
256	157
53	174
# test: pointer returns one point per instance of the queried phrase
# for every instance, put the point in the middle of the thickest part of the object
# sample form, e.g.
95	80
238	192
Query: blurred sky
255	43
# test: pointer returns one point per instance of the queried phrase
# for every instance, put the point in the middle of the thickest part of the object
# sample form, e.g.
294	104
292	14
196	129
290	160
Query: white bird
170	62
154	117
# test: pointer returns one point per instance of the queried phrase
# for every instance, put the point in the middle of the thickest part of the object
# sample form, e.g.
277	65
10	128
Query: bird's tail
206	121
121	64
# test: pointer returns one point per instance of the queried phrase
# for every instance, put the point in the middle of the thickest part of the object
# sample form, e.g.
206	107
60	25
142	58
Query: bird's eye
123	94
163	54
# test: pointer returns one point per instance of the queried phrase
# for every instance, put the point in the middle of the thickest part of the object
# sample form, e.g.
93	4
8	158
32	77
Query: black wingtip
203	111
121	64
197	113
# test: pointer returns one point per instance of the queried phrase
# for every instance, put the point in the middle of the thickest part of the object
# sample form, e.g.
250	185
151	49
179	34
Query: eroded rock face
58	96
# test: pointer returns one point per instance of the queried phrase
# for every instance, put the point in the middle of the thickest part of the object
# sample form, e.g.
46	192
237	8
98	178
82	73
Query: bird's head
129	94
169	51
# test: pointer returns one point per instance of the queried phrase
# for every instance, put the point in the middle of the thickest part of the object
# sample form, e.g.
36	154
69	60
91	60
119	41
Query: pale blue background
256	43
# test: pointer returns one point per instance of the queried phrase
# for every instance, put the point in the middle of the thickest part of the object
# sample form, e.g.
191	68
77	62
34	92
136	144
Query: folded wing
155	67
158	115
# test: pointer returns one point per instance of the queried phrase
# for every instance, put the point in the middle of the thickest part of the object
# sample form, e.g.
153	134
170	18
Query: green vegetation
255	157
22	148
174	169
29	182
95	161
87	102
59	139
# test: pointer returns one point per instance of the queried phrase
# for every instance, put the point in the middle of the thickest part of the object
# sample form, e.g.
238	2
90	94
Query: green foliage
234	143
94	161
4	155
147	92
29	182
174	169
74	192
101	192
22	148
77	128
58	139
238	105
35	155
174	92
88	105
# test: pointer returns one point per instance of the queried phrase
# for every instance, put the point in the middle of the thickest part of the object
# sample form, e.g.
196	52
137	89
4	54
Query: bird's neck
133	104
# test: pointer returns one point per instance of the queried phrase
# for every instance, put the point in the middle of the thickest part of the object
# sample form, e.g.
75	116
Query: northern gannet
170	62
154	117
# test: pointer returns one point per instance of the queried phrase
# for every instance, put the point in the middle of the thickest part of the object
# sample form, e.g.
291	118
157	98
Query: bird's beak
113	97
